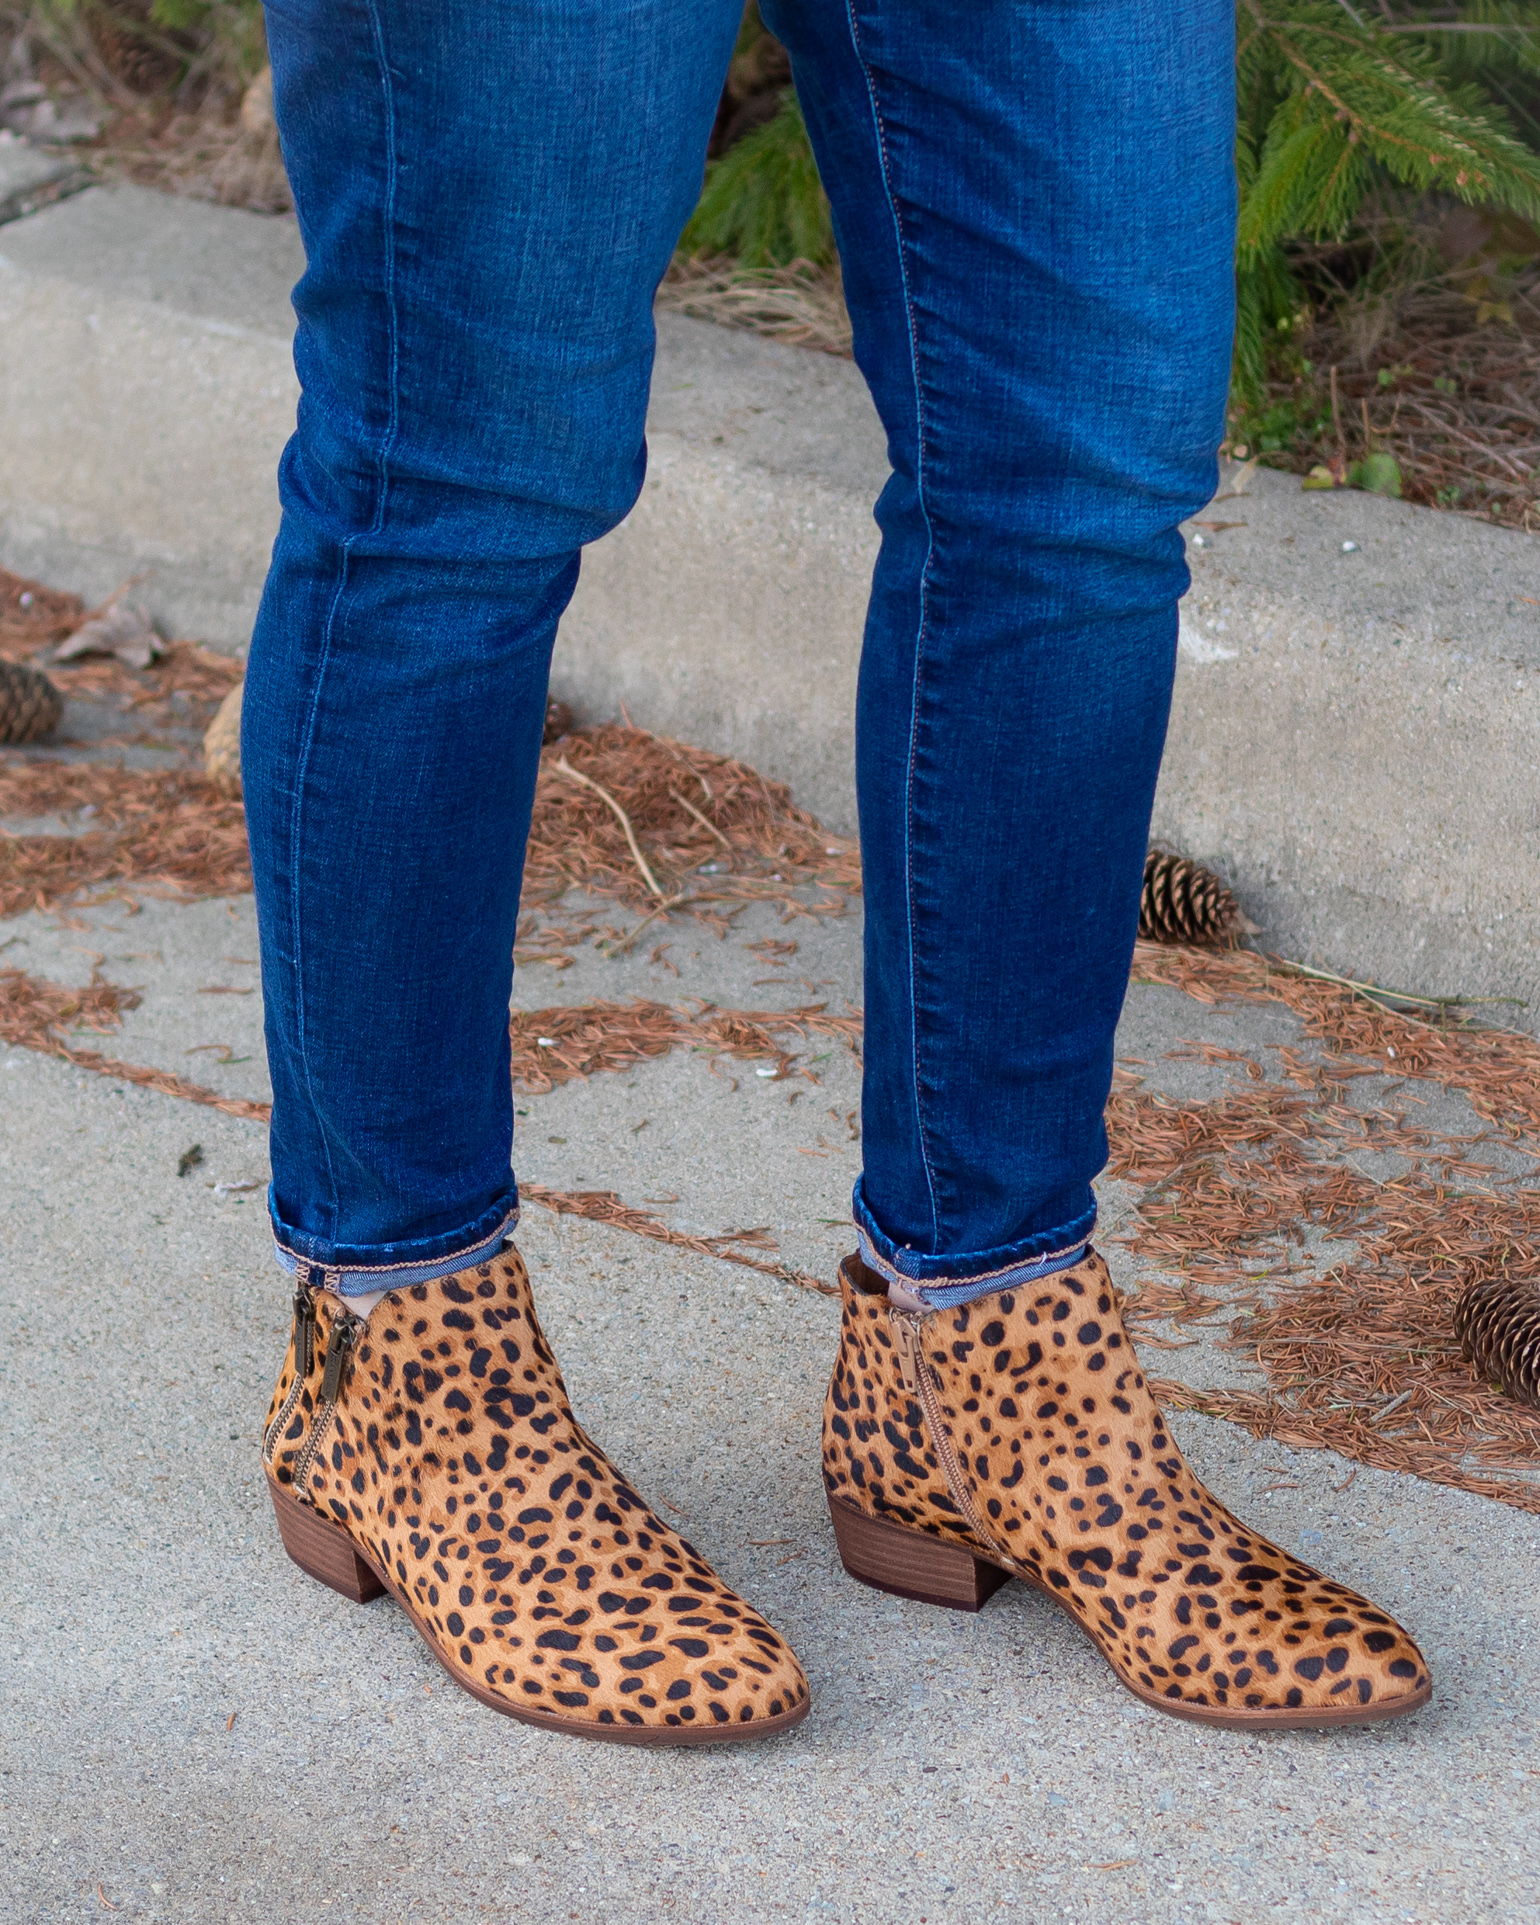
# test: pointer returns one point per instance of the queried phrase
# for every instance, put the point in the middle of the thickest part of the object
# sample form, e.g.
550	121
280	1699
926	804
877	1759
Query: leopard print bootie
432	1453
1016	1437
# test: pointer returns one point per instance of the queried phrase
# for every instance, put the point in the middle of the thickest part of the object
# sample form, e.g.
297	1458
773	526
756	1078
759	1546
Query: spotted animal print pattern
1030	1437
537	1575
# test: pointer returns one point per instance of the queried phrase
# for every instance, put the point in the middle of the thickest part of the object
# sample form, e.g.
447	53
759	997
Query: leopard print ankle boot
1016	1437
432	1453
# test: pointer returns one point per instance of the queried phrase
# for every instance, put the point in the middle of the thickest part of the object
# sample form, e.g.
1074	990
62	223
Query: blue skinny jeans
1034	206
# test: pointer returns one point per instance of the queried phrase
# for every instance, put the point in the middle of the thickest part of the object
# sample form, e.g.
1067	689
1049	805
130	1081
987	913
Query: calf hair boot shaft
431	1452
1015	1436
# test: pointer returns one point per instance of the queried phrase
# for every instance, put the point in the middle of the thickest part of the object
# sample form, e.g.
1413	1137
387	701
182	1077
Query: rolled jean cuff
356	1270
1002	1268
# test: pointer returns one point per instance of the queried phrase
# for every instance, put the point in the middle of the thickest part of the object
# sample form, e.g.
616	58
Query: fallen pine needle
1236	1193
623	943
604	1206
565	768
608	818
35	1012
704	821
1225	1181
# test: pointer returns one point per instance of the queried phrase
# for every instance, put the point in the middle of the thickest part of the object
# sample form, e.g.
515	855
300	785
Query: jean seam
392	170
296	842
920	637
333	614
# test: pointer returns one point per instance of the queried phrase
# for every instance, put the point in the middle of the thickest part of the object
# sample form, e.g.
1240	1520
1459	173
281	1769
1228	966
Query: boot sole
913	1565
325	1552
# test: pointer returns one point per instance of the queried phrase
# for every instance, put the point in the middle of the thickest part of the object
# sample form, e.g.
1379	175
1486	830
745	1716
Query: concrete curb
30	179
1357	729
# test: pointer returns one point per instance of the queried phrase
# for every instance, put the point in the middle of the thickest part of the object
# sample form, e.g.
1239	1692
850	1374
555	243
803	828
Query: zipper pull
907	1343
304	1331
344	1329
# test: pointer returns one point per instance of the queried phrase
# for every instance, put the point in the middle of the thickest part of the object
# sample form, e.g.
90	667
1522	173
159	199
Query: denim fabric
1034	201
948	1293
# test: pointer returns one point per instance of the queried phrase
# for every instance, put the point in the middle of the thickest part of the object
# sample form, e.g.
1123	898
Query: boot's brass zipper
339	1349
304	1359
906	1343
919	1377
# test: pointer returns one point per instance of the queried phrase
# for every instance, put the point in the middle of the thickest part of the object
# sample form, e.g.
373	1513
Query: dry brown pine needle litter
604	1206
632	830
552	1046
180	690
1444	376
165	832
1362	1359
34	617
657	824
1497	1069
39	1015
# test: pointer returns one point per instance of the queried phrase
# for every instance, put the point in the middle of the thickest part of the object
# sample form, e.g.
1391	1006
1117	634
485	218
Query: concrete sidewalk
194	1732
1357	722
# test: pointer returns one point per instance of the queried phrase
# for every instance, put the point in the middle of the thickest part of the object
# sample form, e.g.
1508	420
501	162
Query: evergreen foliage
763	202
1340	102
1332	103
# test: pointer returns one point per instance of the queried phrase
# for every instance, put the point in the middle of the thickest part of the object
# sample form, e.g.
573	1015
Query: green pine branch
1332	97
1346	84
1328	98
763	201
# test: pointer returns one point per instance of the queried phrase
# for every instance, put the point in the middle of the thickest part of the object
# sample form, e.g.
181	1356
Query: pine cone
1498	1324
30	705
558	720
1183	902
222	744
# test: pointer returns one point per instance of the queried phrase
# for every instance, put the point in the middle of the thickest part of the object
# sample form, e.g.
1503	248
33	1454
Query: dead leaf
121	629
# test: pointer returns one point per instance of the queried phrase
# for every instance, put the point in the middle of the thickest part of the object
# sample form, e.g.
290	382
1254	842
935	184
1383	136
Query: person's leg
489	195
1035	207
1034	201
